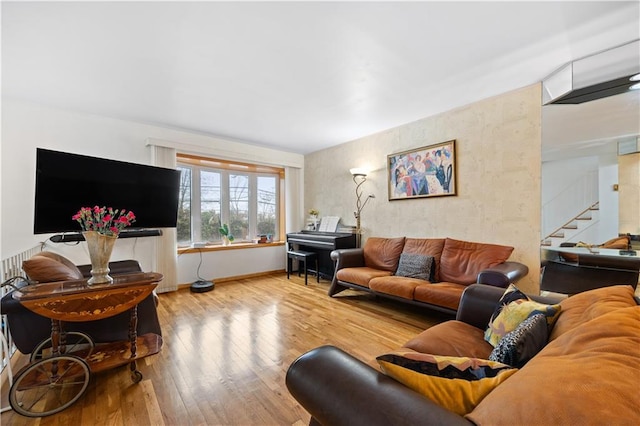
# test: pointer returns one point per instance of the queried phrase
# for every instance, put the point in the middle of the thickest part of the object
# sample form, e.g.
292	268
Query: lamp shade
358	171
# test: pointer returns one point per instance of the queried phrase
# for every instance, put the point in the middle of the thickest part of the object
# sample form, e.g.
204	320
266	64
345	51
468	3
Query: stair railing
582	191
594	206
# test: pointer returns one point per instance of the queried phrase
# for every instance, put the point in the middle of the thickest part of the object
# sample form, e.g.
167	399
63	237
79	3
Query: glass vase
100	247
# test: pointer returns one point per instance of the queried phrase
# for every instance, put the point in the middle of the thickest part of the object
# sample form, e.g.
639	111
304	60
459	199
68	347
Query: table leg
55	337
133	331
55	346
136	376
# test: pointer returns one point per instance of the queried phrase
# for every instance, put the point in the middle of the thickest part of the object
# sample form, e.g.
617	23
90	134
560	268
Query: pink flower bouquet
104	220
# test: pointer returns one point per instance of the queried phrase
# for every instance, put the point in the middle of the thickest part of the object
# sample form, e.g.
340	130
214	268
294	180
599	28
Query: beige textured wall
629	199
498	147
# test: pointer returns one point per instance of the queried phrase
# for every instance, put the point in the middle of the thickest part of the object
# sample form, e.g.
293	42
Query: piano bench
305	257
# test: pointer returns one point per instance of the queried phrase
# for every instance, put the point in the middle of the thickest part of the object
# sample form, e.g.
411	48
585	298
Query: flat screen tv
66	182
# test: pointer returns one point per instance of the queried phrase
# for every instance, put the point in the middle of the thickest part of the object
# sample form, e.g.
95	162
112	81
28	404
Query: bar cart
60	368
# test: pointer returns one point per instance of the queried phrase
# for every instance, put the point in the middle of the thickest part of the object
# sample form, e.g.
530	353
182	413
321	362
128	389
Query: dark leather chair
28	329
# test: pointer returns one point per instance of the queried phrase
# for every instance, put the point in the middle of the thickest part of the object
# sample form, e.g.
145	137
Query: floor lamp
359	177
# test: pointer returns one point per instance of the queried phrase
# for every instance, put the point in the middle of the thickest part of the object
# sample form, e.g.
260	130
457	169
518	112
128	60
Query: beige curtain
294	201
166	259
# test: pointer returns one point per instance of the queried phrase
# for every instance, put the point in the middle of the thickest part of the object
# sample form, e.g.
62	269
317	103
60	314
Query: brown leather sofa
28	329
586	374
456	264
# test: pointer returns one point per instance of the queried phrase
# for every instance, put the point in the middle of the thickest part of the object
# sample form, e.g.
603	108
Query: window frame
197	164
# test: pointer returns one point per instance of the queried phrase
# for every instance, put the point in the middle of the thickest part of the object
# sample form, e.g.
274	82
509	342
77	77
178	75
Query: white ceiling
297	76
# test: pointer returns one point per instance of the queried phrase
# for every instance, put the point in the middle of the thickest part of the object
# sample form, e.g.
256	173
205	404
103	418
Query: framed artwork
429	171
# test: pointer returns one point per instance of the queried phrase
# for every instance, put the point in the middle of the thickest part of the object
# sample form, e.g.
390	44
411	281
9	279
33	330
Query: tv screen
66	182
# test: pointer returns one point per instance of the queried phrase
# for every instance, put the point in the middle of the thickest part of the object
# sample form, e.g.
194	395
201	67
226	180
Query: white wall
559	177
608	226
230	263
26	126
560	174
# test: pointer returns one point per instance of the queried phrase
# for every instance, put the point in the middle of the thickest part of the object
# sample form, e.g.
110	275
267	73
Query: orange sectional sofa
431	272
586	373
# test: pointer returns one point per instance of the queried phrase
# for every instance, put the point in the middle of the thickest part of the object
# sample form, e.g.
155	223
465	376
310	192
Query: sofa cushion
415	265
48	267
456	383
383	253
587	305
451	338
513	308
588	375
360	275
429	247
441	294
520	345
462	260
396	286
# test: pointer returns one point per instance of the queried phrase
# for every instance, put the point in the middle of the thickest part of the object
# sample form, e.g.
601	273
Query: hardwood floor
226	353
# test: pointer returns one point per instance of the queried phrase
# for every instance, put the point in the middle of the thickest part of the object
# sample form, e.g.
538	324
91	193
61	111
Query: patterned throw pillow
523	343
513	308
415	266
456	383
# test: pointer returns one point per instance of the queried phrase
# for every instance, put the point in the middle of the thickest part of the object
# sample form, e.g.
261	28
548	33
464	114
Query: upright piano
321	243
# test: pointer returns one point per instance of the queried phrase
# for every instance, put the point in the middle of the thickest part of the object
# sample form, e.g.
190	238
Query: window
215	192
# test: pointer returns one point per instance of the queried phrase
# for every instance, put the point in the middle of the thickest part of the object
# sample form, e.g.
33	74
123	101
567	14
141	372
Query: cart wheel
136	376
74	341
49	385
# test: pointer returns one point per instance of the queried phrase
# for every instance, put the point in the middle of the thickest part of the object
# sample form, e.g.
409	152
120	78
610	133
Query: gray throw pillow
415	266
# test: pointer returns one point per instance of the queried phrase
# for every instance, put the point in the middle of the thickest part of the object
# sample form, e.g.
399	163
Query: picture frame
429	171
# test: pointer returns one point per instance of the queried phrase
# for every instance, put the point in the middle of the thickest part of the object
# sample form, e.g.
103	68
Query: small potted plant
227	238
313	224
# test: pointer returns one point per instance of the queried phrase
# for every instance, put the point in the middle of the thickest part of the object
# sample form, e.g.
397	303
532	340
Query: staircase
571	229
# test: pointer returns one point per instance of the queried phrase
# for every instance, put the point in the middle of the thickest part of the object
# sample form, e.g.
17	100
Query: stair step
572	225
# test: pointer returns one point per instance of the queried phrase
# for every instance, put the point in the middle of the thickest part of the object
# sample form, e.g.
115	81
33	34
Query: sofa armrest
338	389
502	275
344	258
478	302
348	258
